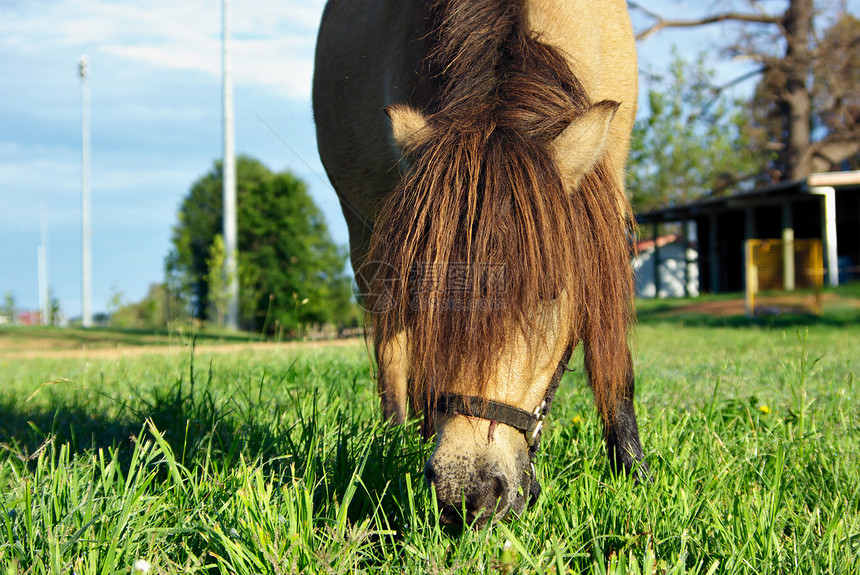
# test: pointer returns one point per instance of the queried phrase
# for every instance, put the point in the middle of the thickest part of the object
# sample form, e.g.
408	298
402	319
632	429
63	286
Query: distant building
823	206
678	268
28	318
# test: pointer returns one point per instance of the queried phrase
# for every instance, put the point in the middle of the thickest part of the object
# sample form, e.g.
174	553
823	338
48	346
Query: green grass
29	338
840	308
275	462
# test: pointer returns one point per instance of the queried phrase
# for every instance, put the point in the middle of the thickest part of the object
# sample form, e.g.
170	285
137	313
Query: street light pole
44	297
86	250
229	175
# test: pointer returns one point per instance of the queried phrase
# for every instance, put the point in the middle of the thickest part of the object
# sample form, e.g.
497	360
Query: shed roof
767	194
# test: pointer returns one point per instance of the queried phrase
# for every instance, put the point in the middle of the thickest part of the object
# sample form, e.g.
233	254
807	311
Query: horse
477	148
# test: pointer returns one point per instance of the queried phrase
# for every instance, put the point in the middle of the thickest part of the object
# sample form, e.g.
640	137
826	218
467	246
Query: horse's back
369	56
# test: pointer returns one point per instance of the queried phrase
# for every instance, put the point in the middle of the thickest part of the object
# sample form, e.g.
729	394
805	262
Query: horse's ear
580	146
406	125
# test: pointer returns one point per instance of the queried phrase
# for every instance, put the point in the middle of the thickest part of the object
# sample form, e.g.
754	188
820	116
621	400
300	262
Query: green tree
216	277
8	310
285	253
689	142
115	302
149	313
56	309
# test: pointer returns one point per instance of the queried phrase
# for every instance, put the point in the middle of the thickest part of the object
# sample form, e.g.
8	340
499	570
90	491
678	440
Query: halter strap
530	423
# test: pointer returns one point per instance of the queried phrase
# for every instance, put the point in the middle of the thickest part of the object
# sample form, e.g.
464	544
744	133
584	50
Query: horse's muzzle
475	496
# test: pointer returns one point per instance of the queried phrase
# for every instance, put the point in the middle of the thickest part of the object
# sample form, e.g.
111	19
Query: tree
689	141
217	280
805	104
285	253
8	310
55	309
149	313
115	302
835	97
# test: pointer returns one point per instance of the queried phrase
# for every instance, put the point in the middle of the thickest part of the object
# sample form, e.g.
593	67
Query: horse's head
481	466
490	246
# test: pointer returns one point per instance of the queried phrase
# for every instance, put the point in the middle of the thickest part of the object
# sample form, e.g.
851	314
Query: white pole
86	250
44	298
40	255
828	232
229	175
788	246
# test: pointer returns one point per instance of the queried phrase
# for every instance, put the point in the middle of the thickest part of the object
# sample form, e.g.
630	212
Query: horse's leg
622	433
392	357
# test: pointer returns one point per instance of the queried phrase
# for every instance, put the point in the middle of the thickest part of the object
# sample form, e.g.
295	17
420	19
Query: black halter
529	422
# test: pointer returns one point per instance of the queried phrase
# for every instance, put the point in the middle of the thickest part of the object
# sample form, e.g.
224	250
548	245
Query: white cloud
272	41
155	95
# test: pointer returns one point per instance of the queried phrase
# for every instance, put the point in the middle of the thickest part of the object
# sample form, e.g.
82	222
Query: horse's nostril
534	491
499	485
469	495
430	473
490	493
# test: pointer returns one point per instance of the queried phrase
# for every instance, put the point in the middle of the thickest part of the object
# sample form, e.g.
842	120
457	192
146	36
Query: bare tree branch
664	23
808	89
644	10
716	91
833	150
739	79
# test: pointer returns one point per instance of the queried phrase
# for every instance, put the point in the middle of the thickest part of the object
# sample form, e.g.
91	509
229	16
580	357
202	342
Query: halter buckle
540	415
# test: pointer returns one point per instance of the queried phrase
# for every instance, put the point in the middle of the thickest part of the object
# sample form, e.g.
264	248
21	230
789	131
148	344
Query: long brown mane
482	233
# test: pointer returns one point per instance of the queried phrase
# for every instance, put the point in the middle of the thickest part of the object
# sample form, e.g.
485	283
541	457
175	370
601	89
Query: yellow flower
764	409
576	419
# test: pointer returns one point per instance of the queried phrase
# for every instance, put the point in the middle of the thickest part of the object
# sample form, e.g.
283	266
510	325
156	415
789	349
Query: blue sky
156	124
156	127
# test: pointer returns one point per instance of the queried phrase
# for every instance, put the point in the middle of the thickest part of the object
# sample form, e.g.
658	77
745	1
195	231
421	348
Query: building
824	206
678	271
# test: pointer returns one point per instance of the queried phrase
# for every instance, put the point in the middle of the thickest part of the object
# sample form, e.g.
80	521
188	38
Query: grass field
272	460
37	338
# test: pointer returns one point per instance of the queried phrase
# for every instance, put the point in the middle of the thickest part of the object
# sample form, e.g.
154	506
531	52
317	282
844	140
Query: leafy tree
285	253
115	301
689	142
8	310
216	277
55	309
806	101
148	313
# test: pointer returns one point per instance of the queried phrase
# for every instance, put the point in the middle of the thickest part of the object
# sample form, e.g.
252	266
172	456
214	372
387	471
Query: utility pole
86	250
44	298
229	174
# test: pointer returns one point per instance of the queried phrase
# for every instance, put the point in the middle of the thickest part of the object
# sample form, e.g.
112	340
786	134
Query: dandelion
142	566
576	419
764	409
507	558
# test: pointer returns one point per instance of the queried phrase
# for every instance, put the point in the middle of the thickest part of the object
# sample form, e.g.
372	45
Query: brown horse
477	147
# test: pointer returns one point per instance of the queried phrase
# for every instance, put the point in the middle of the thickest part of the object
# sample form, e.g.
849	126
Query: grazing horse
477	148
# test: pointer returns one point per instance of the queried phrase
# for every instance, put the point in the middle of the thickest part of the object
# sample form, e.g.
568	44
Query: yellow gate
784	266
